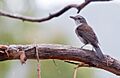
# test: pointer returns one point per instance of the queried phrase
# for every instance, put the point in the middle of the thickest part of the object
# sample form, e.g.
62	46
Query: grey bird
86	34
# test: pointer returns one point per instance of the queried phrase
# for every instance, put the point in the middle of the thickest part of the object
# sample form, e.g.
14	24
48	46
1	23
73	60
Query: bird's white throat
79	24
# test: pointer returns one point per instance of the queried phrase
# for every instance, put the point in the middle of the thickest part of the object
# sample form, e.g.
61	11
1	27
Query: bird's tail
99	52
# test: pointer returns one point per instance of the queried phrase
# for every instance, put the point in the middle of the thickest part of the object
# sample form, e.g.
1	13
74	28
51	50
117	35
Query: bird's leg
83	46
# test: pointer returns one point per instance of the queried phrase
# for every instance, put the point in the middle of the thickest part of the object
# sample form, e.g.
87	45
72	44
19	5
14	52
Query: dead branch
61	52
56	14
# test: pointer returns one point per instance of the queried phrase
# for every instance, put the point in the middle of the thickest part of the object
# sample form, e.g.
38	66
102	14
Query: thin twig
75	73
51	15
38	60
39	70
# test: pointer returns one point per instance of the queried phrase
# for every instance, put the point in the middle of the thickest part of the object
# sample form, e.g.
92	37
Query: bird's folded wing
87	33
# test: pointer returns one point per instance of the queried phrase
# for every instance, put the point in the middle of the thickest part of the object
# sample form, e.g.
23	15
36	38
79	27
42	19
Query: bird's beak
72	17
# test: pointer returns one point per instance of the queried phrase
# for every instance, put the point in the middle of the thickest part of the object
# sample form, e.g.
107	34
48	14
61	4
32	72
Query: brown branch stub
61	52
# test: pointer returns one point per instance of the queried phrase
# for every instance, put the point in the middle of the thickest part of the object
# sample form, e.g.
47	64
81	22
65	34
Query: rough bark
60	52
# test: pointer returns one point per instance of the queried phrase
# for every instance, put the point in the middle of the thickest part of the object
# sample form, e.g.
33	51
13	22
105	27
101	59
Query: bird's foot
82	46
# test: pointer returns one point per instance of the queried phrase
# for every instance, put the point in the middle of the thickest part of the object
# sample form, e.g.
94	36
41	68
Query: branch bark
56	14
61	52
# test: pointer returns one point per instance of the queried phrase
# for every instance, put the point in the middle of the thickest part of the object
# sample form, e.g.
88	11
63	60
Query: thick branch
61	52
56	14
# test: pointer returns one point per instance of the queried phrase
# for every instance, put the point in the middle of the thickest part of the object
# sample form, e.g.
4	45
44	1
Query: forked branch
51	15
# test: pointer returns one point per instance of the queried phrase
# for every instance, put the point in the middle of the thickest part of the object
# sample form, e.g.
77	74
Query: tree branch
56	14
61	52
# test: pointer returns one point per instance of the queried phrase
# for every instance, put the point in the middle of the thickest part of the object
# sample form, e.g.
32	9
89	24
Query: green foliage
4	68
60	70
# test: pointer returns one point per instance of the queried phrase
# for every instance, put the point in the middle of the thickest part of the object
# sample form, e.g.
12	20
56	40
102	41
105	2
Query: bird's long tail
99	52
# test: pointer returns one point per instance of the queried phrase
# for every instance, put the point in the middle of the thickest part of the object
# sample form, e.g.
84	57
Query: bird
86	34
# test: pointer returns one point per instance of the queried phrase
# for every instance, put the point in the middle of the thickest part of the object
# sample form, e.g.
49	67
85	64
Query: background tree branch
61	52
56	14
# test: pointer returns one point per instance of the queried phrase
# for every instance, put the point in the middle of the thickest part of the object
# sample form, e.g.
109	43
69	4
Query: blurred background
103	17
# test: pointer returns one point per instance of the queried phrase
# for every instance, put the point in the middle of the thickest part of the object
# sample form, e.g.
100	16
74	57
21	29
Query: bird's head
78	19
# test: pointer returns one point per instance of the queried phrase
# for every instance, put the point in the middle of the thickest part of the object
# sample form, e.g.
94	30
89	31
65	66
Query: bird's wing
87	33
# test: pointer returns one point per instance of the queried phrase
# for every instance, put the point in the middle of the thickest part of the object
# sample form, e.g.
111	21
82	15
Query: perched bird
86	34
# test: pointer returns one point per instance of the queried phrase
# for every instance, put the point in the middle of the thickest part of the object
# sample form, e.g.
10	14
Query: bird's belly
82	40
